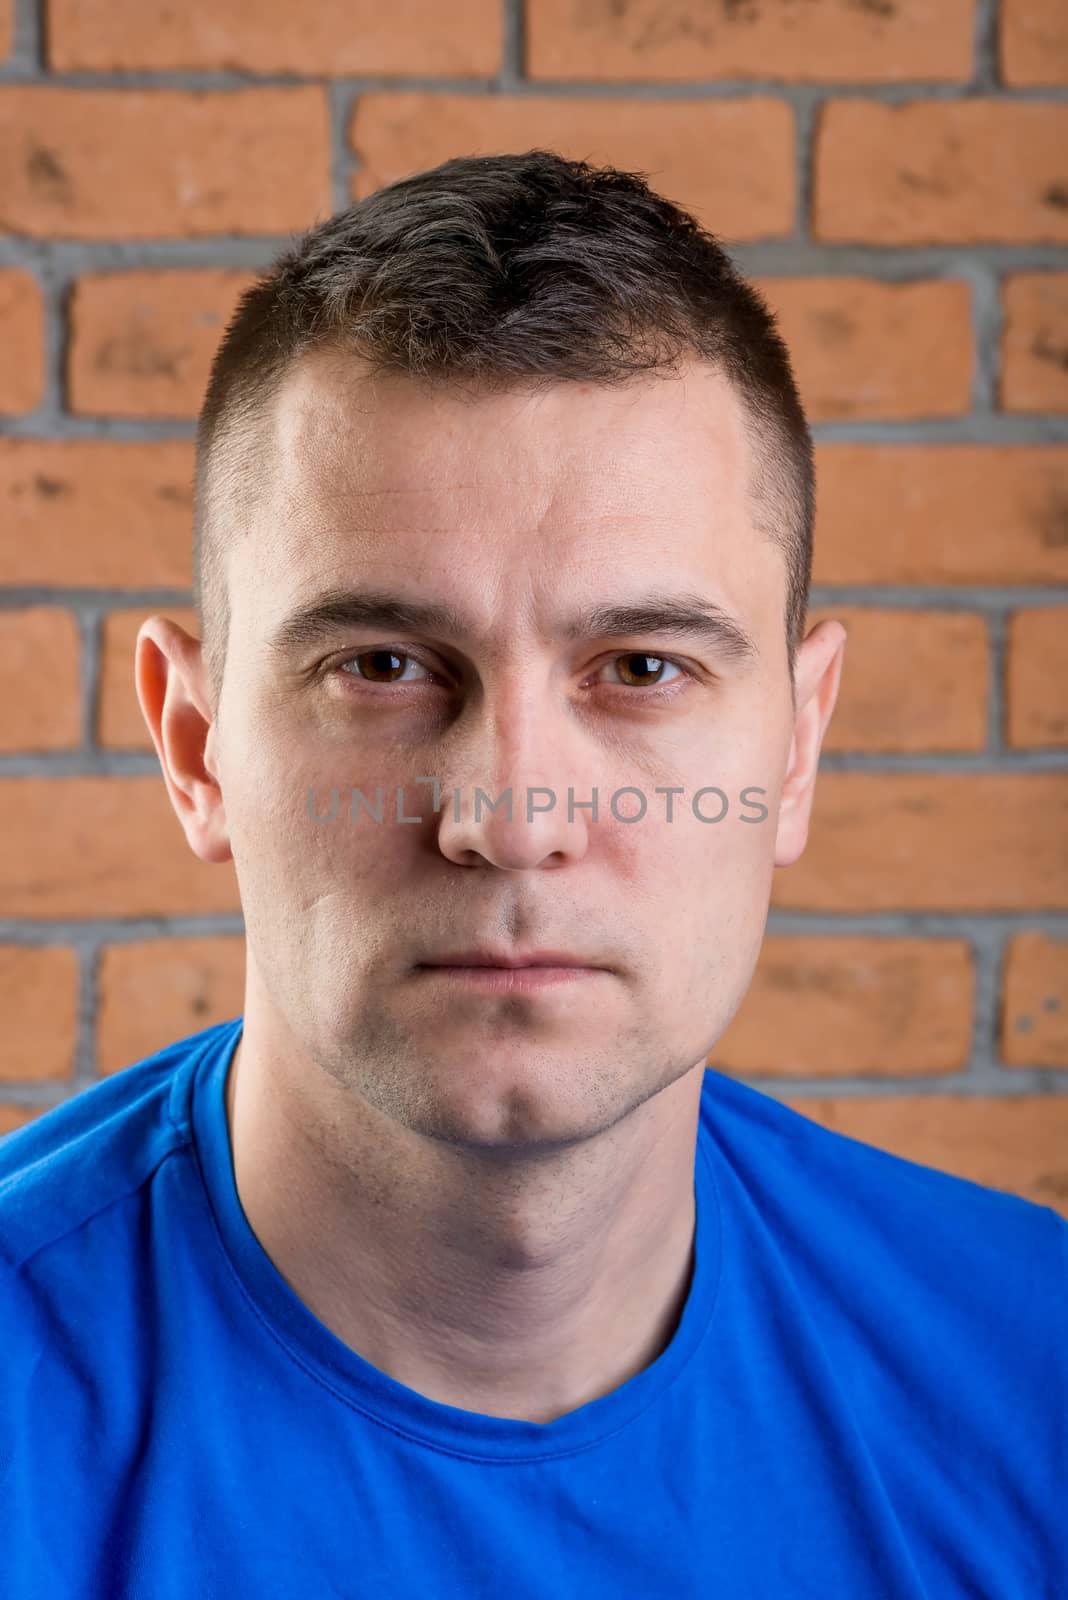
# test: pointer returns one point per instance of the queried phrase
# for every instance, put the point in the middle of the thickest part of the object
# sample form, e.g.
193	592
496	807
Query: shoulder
83	1156
914	1227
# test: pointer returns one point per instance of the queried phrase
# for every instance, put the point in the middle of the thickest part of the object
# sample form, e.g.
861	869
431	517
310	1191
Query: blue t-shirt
866	1395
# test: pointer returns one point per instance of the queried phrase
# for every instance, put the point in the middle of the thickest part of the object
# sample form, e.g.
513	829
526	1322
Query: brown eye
637	672
379	666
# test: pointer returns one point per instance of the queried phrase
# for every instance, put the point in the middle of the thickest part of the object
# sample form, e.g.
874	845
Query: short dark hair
507	272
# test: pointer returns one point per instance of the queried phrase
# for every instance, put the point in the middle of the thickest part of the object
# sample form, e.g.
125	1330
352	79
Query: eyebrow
680	616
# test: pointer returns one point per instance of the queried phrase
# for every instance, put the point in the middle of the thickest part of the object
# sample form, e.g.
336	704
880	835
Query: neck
519	1288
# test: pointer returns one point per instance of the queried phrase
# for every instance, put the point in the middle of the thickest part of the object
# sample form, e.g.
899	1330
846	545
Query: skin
489	1196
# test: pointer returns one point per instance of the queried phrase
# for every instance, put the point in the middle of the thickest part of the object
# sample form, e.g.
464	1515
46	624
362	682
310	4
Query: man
450	1268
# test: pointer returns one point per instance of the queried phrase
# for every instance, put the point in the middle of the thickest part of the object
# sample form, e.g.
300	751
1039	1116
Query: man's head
495	273
527	394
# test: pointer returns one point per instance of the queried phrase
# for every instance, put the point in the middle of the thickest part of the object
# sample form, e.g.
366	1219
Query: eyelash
649	692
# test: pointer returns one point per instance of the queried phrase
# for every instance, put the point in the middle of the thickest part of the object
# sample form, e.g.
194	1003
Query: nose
510	808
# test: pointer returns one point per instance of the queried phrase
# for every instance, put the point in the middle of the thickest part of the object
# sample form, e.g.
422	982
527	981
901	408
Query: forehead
341	430
509	496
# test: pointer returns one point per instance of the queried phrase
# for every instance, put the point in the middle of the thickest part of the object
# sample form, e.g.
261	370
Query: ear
819	669
171	686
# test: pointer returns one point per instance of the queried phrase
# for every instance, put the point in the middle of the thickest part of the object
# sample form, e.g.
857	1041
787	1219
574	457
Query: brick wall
893	173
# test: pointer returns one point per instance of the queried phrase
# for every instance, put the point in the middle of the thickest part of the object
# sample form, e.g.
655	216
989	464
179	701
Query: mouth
509	972
509	979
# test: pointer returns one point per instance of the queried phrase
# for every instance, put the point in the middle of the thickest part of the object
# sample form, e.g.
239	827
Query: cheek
715	916
332	842
272	794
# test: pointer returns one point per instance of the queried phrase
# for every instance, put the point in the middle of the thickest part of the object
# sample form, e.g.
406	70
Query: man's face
520	513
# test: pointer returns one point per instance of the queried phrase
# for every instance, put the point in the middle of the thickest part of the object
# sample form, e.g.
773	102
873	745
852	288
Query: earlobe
170	680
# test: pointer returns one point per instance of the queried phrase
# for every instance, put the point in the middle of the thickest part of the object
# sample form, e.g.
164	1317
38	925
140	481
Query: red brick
142	342
1016	1143
39	1005
911	680
1034	343
1033	41
1037	677
664	41
919	841
12	1116
861	348
941	172
850	1007
39	679
1034	1011
120	721
22	335
330	38
941	514
96	513
7	26
102	847
160	990
150	163
749	196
